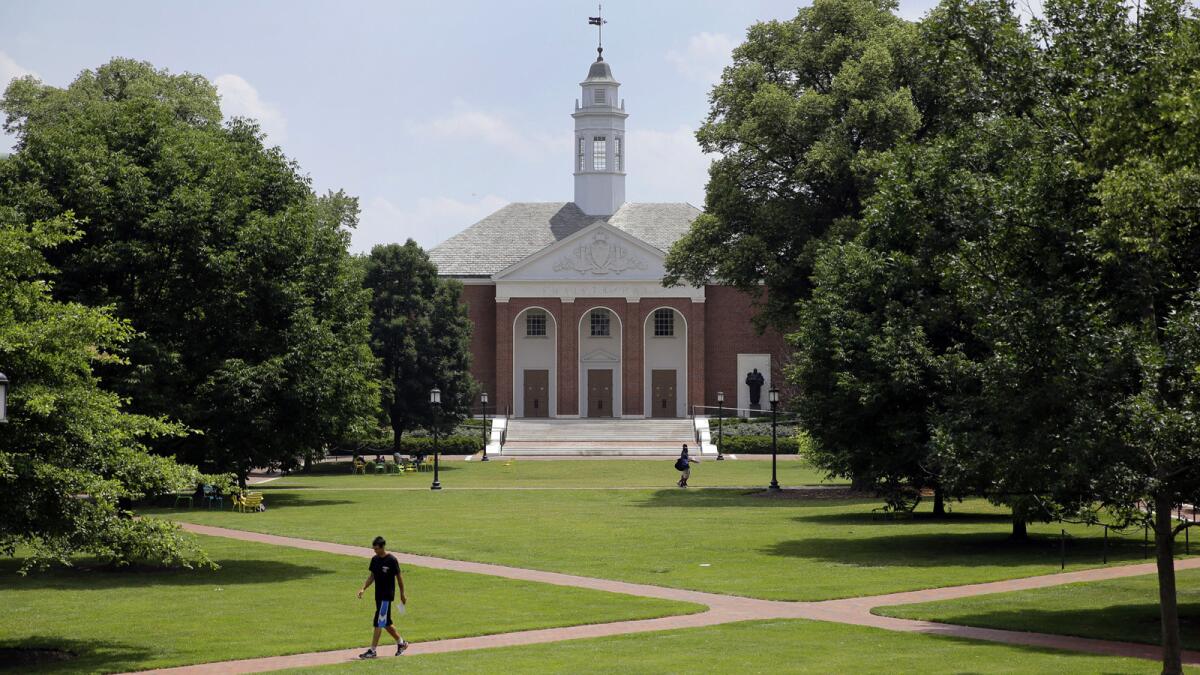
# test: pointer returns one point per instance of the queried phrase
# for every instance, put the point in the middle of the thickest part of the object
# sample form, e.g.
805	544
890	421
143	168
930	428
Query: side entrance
537	393
662	388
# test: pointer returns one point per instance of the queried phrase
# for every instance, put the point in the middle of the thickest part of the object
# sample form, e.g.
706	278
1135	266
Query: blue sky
432	114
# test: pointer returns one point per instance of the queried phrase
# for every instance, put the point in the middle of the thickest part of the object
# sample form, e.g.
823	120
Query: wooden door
600	394
662	386
537	393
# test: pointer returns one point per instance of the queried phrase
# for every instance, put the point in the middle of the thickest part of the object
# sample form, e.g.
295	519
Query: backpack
681	464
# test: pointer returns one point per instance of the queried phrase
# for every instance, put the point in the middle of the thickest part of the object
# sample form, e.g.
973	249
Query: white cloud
429	221
705	56
10	70
667	166
467	124
240	99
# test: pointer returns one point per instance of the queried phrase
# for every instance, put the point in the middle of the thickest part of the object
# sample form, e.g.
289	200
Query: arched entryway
600	334
664	349
535	363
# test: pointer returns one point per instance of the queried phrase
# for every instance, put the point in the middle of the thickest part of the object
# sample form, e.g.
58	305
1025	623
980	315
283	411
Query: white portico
617	329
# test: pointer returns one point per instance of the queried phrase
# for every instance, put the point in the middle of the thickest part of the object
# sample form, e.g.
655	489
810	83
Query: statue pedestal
755	409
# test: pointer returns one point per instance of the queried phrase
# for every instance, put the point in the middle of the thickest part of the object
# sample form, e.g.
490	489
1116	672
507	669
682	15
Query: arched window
664	322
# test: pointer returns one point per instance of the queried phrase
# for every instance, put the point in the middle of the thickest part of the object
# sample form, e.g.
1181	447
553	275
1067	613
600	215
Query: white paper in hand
398	607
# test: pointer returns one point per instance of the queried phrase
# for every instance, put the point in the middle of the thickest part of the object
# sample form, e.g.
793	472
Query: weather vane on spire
598	21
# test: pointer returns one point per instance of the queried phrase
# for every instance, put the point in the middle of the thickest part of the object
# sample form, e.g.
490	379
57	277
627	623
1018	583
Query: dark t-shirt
385	569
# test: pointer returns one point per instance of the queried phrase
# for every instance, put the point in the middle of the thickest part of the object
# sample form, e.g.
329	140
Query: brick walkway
722	609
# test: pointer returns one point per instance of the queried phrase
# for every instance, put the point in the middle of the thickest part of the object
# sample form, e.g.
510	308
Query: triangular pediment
599	252
599	356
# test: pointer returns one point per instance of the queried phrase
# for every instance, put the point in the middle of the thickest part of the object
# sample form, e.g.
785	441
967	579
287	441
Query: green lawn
510	472
1117	609
269	600
783	646
723	541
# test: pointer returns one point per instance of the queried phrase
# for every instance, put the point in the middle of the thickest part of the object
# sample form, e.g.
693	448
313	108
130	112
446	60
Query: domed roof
600	72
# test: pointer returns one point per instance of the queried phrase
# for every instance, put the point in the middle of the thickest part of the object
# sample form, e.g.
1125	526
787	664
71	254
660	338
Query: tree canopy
1002	299
251	320
422	336
70	457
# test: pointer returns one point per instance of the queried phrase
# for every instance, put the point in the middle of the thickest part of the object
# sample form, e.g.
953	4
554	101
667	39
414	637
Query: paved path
721	609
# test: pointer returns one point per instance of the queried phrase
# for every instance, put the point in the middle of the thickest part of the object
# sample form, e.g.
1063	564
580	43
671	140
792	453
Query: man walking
385	574
684	466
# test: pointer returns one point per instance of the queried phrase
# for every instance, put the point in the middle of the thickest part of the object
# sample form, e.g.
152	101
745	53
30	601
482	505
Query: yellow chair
248	502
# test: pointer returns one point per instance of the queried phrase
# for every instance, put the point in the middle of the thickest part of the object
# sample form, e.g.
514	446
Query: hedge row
759	445
449	445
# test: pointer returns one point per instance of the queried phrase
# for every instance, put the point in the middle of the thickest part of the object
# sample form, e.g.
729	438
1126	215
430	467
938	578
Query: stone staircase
530	437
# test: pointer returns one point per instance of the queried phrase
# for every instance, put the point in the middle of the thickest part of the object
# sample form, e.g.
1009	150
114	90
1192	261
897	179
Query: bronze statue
755	381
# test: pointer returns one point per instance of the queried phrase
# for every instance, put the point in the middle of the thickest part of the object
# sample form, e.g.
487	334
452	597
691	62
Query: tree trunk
860	484
307	462
1020	531
397	431
1164	544
939	502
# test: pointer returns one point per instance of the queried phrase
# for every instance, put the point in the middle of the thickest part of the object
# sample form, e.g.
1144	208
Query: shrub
759	445
449	445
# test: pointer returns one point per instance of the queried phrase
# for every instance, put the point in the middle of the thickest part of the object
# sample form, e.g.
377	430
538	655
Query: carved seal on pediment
599	256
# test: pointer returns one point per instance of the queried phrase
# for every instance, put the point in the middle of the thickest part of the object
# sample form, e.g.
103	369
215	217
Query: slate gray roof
521	229
600	72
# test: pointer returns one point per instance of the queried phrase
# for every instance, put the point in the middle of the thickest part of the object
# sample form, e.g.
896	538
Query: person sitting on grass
385	574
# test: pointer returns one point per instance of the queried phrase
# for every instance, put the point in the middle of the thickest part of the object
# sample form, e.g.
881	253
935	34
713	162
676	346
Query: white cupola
599	159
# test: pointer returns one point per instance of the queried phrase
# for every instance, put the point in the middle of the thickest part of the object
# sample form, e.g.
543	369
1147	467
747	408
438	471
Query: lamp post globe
773	395
435	401
483	400
3	398
720	424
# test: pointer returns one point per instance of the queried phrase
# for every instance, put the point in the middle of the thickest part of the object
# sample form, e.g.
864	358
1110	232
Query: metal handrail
504	431
761	411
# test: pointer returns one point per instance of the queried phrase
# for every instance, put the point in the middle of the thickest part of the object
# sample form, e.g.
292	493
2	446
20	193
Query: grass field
787	549
567	474
784	646
269	600
1117	609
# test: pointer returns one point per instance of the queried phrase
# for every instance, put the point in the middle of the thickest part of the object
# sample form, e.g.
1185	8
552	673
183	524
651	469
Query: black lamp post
774	399
3	398
720	423
435	401
483	404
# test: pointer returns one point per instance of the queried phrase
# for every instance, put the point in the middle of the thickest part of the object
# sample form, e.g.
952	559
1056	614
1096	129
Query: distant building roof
521	229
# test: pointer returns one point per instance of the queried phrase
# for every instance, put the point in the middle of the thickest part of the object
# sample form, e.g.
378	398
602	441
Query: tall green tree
803	103
422	336
252	324
70	457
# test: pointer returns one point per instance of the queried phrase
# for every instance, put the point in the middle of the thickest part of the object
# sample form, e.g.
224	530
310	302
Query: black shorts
383	614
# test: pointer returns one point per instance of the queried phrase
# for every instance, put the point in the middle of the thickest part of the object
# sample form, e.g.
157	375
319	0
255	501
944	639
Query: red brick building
571	317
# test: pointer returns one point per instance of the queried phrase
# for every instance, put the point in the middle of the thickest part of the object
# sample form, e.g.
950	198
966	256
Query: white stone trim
648	369
618	370
552	404
637	290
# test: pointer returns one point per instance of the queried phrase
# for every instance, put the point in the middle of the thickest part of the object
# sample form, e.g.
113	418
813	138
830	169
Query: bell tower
599	152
